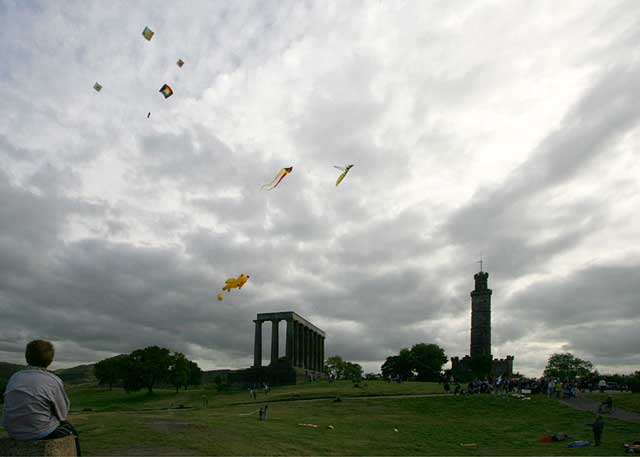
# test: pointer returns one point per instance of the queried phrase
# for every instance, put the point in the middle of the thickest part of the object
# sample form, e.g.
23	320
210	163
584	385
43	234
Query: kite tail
281	178
280	174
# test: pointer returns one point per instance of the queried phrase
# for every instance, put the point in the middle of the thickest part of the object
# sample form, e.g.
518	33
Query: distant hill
82	374
7	369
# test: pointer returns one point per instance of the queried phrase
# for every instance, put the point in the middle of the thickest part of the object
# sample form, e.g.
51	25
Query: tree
634	382
352	371
427	361
481	366
179	371
334	366
341	369
195	374
109	371
147	367
566	367
401	365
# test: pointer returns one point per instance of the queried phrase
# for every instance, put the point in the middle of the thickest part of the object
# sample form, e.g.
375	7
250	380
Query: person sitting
35	403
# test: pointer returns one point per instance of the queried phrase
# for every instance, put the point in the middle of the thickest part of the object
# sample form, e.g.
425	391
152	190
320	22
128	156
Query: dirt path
333	397
585	404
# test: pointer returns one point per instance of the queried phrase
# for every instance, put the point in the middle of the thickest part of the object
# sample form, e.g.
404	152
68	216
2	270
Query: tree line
147	368
423	362
567	367
338	368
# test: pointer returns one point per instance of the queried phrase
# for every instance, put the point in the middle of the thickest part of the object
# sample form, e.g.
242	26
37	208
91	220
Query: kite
148	114
345	170
166	91
97	87
147	33
180	63
238	282
220	296
281	174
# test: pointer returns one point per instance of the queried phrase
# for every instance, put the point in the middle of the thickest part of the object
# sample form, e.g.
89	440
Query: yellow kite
281	174
345	170
238	282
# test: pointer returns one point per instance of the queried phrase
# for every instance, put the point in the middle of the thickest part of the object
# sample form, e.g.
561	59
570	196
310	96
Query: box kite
281	174
97	87
233	283
180	63
147	33
345	170
166	91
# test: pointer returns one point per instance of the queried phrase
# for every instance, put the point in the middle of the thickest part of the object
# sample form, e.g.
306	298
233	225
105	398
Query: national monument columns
304	348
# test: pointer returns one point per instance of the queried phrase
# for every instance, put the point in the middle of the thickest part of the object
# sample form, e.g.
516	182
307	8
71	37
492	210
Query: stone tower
480	317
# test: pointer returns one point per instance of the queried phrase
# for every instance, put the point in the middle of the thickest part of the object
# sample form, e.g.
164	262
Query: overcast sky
503	129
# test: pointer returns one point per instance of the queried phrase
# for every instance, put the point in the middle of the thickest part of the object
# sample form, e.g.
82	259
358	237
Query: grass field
624	400
435	425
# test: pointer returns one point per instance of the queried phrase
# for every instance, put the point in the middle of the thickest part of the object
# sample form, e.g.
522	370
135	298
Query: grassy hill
7	369
82	374
377	419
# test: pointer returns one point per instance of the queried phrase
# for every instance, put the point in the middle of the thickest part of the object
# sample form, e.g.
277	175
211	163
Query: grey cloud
595	294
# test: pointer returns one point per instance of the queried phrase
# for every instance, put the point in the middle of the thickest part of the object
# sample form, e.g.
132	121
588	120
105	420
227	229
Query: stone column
294	353
318	356
311	349
322	353
275	341
299	347
290	343
257	345
306	347
315	351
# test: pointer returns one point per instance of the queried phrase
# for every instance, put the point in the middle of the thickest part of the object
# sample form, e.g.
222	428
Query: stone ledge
59	447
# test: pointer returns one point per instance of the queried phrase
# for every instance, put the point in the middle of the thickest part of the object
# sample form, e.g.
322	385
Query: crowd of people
550	386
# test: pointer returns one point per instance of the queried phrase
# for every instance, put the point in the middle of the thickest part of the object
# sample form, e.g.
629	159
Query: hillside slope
7	369
82	374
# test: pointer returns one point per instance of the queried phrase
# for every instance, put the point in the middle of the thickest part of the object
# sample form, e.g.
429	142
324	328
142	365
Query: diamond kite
147	33
281	174
180	63
345	170
238	282
97	87
166	91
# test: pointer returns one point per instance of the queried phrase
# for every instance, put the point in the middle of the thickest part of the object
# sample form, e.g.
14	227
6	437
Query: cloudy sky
503	129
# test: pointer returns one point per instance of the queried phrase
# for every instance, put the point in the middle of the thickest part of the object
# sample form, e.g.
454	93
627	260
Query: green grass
117	400
623	400
426	426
